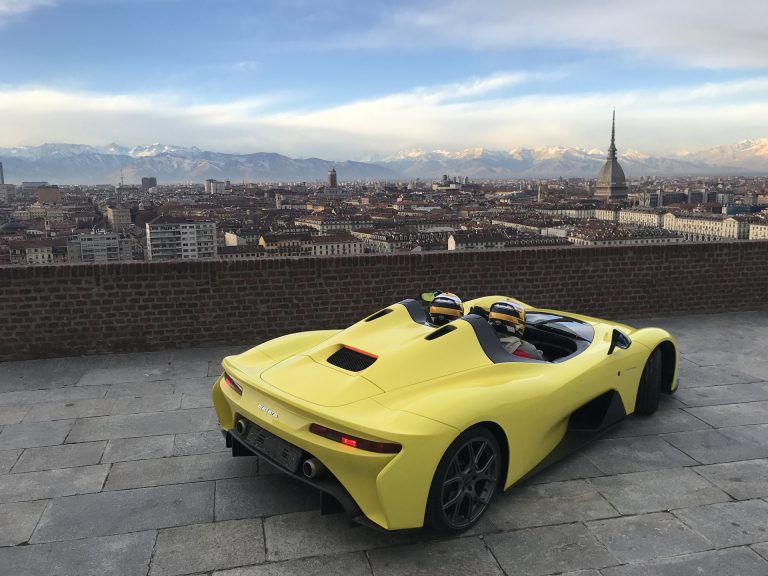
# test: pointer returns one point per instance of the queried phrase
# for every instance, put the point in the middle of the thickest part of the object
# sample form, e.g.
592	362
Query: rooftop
112	465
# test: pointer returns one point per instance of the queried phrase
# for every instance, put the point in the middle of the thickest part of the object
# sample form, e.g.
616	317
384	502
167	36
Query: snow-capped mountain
546	161
83	164
747	154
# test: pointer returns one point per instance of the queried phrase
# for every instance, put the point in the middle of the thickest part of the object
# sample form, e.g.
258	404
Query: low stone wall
48	311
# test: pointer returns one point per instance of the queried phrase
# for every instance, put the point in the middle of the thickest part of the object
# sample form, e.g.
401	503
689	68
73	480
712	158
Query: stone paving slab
135	425
12	414
457	557
178	470
304	534
549	550
195	401
125	511
7	459
761	549
133	389
199	443
573	467
355	564
728	394
35	434
658	490
729	524
732	414
554	503
63	410
263	496
694	376
150	403
663	422
203	547
127	374
27	397
141	448
723	444
124	555
52	483
46	373
18	520
618	456
731	562
62	456
742	480
647	537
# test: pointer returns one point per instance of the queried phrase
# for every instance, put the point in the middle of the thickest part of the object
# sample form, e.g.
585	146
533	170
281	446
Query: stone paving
112	465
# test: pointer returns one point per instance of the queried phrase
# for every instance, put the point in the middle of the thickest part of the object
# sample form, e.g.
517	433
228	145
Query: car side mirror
618	340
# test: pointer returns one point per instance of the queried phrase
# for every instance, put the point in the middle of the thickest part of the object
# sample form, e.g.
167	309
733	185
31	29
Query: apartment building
172	238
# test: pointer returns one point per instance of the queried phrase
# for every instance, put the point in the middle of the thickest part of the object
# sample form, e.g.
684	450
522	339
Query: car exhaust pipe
312	468
241	426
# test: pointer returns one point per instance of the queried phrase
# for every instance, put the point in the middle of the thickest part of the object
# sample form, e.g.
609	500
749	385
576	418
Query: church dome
611	182
611	174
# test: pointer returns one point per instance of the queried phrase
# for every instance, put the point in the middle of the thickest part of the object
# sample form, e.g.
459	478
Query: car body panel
422	393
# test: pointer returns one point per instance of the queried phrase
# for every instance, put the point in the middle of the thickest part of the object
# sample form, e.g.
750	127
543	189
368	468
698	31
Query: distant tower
611	183
542	192
2	176
332	182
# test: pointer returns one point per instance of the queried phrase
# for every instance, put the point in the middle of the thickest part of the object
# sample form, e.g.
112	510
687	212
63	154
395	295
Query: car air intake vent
378	314
351	359
440	332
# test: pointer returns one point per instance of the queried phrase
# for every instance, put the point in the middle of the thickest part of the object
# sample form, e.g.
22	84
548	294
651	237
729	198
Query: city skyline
360	81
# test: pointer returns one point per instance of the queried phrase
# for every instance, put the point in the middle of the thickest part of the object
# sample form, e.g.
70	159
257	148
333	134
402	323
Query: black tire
465	481
650	385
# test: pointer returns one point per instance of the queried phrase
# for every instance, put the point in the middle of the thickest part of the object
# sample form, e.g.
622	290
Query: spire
612	149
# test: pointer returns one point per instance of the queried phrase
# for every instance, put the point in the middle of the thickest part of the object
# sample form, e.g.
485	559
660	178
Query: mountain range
83	164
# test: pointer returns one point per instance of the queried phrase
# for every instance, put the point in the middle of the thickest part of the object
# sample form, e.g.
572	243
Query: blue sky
362	79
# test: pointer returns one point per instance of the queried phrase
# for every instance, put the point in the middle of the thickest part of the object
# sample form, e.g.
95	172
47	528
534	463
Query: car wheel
465	481
650	385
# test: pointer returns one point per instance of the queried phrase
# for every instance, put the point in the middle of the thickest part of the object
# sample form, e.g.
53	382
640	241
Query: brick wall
50	311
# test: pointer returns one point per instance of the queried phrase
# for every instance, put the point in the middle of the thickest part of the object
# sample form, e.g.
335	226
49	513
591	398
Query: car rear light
232	384
354	441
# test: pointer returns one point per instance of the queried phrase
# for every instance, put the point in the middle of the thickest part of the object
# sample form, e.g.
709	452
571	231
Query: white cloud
15	7
469	114
706	33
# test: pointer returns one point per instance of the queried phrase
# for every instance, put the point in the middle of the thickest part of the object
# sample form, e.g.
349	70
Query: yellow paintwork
421	394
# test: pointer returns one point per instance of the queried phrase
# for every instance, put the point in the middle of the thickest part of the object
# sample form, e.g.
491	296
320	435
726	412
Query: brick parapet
48	311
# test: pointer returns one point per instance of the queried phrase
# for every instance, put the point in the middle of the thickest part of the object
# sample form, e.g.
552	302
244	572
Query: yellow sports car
406	424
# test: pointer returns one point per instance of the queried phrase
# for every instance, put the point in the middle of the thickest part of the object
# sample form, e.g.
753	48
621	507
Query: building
653	218
611	182
332	180
148	182
325	224
118	218
99	248
31	187
49	195
708	227
170	238
337	245
483	240
299	244
240	252
42	251
214	186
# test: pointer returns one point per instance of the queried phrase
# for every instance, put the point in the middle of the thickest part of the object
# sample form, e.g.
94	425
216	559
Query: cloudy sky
362	79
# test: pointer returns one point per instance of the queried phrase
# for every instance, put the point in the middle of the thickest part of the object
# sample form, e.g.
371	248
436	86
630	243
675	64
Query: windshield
577	328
